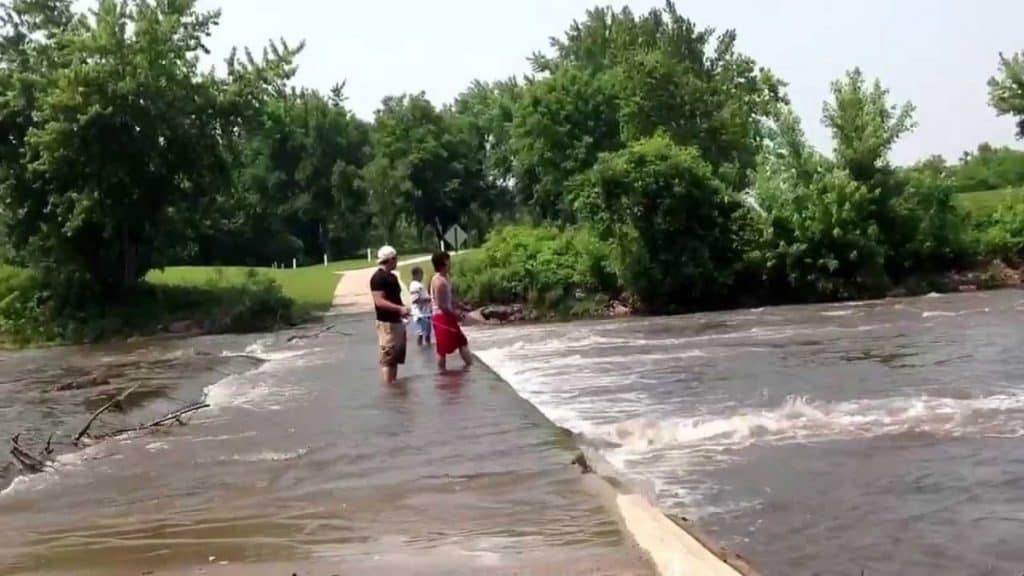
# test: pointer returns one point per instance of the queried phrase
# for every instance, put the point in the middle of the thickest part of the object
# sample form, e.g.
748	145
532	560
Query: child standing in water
422	311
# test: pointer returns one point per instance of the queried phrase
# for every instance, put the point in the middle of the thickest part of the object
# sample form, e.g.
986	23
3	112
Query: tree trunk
129	261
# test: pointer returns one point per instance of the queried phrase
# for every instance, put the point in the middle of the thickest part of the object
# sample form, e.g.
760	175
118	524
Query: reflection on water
883	437
304	457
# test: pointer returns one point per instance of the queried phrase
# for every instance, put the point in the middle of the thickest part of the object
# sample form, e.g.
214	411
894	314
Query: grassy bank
310	287
35	309
986	202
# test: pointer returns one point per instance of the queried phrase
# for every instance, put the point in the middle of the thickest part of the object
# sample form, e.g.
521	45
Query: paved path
352	295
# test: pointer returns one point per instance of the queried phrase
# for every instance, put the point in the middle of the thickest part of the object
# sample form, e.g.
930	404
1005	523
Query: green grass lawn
311	287
985	202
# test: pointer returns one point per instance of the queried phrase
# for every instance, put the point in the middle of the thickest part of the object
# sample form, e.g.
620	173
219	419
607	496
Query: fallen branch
317	334
85	429
28	462
32	464
172	417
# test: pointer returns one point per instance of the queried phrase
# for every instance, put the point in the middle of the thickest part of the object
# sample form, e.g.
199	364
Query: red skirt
447	333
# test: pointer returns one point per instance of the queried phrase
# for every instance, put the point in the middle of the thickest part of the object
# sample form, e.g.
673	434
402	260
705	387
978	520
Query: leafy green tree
389	189
561	125
864	125
616	78
113	138
298	179
818	236
669	219
1006	89
482	117
436	153
864	129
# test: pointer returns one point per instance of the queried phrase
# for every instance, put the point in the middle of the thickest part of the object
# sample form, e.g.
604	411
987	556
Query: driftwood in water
29	463
172	417
317	334
32	464
85	429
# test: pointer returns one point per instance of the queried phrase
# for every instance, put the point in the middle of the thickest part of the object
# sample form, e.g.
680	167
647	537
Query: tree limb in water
27	461
85	429
317	334
172	417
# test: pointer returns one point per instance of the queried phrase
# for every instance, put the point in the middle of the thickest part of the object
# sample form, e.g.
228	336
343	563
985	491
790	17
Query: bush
1001	235
819	239
934	224
545	267
669	220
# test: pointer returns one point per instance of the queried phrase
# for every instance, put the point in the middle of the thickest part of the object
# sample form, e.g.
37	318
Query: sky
936	53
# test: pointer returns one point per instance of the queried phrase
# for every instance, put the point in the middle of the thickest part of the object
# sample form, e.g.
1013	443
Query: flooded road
871	438
303	460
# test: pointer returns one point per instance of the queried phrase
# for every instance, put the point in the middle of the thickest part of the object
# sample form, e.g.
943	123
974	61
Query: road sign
456	236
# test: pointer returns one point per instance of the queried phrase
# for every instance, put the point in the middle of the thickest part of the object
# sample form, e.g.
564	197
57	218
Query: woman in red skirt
447	334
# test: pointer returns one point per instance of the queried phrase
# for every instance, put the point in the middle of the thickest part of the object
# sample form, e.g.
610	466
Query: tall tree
562	123
865	126
301	168
616	78
441	167
118	153
1006	89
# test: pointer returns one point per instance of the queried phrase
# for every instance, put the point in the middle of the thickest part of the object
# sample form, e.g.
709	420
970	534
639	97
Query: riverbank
36	310
993	275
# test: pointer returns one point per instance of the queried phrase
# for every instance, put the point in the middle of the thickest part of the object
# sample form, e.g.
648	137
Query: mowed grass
311	287
985	202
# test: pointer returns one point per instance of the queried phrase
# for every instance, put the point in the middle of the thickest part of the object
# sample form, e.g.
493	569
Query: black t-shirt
386	282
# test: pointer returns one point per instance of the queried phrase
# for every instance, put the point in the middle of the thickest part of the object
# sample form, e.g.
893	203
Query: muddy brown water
868	438
303	461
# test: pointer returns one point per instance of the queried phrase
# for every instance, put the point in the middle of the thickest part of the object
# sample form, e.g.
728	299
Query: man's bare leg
390	374
467	358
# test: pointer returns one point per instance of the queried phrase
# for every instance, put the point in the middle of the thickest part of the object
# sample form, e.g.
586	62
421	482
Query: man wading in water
447	333
387	303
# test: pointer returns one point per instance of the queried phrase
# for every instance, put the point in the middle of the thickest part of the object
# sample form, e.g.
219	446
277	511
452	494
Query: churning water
885	437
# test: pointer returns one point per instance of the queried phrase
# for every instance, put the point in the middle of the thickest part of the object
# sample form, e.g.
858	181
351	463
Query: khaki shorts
391	338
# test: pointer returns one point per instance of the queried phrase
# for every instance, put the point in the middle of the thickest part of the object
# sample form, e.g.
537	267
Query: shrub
1001	235
934	224
819	239
545	267
669	220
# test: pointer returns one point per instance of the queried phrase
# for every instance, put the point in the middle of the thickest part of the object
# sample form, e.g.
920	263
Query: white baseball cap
386	253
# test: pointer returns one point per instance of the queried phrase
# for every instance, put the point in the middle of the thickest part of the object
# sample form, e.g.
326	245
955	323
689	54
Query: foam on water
271	456
604	398
260	388
805	420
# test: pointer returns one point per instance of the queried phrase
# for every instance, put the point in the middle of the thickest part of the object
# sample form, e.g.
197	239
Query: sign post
456	236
